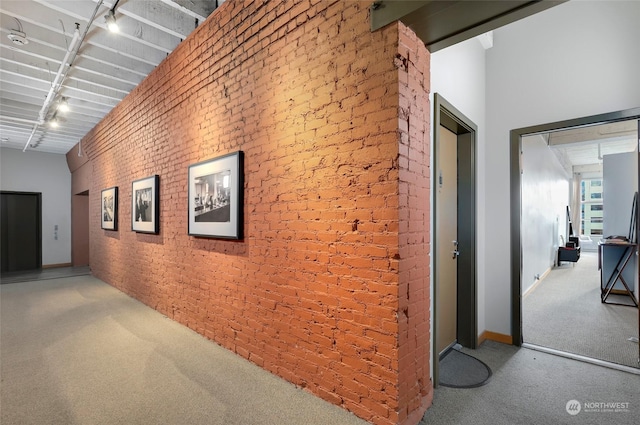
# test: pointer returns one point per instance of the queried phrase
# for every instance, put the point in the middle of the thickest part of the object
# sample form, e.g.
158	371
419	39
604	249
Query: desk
613	258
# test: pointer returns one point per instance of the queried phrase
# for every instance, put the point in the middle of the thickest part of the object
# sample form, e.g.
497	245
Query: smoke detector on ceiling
18	37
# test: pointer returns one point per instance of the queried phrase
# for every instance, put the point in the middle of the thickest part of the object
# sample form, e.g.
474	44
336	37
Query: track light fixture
53	121
110	18
64	105
111	21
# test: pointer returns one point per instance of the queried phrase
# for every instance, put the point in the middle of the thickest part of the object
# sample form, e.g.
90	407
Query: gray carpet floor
531	388
564	312
78	351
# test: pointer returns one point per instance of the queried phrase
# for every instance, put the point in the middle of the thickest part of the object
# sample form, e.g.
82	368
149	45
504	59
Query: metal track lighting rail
69	57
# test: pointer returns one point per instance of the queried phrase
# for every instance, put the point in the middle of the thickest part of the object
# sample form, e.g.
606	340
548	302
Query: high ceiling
37	45
587	145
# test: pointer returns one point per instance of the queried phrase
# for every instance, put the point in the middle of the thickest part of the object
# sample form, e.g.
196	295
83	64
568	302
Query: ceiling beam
199	9
30	13
129	28
37	74
107	54
443	23
106	68
158	15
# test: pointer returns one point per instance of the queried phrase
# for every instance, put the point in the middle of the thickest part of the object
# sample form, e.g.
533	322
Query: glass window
591	208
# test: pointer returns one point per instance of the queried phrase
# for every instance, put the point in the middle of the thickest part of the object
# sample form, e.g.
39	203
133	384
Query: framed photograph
109	210
216	197
145	205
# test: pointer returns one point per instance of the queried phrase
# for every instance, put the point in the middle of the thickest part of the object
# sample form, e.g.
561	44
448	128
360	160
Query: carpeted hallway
564	312
77	351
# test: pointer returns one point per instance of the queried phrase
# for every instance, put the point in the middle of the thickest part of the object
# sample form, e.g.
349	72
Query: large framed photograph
145	205
109	210
216	198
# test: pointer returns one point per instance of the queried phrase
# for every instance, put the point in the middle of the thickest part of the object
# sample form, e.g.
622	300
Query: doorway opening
80	229
454	231
579	280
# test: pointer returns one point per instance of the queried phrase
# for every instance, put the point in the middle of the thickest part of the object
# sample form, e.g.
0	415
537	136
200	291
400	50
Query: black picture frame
216	200
145	205
109	208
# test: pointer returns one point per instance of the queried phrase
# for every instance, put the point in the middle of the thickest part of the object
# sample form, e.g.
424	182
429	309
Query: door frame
451	118
516	198
38	197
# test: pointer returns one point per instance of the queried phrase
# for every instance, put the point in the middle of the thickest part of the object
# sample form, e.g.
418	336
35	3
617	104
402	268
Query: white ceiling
109	65
106	68
587	145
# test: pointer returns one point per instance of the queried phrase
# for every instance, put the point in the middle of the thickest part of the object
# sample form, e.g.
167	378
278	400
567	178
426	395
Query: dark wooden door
21	231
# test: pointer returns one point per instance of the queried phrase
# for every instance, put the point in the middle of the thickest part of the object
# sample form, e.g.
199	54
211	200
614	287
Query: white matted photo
145	205
109	208
216	198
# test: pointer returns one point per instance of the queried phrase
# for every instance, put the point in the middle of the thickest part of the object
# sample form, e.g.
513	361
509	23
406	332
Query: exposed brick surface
329	287
416	389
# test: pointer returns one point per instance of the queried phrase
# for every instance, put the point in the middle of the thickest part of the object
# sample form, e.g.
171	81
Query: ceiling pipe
35	128
57	81
86	30
69	57
55	86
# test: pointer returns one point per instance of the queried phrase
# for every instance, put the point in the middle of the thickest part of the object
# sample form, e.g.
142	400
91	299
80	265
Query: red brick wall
329	287
416	390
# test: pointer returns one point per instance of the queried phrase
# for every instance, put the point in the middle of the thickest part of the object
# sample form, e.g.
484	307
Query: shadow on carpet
44	274
460	370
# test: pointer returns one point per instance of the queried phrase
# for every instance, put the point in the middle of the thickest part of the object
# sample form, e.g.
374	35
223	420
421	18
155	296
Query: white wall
620	182
573	60
458	74
48	174
545	196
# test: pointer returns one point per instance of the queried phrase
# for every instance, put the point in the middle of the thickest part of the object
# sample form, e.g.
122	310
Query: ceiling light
111	21
53	122
64	105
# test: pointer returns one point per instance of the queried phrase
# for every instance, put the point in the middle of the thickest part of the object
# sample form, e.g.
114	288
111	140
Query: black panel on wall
21	231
